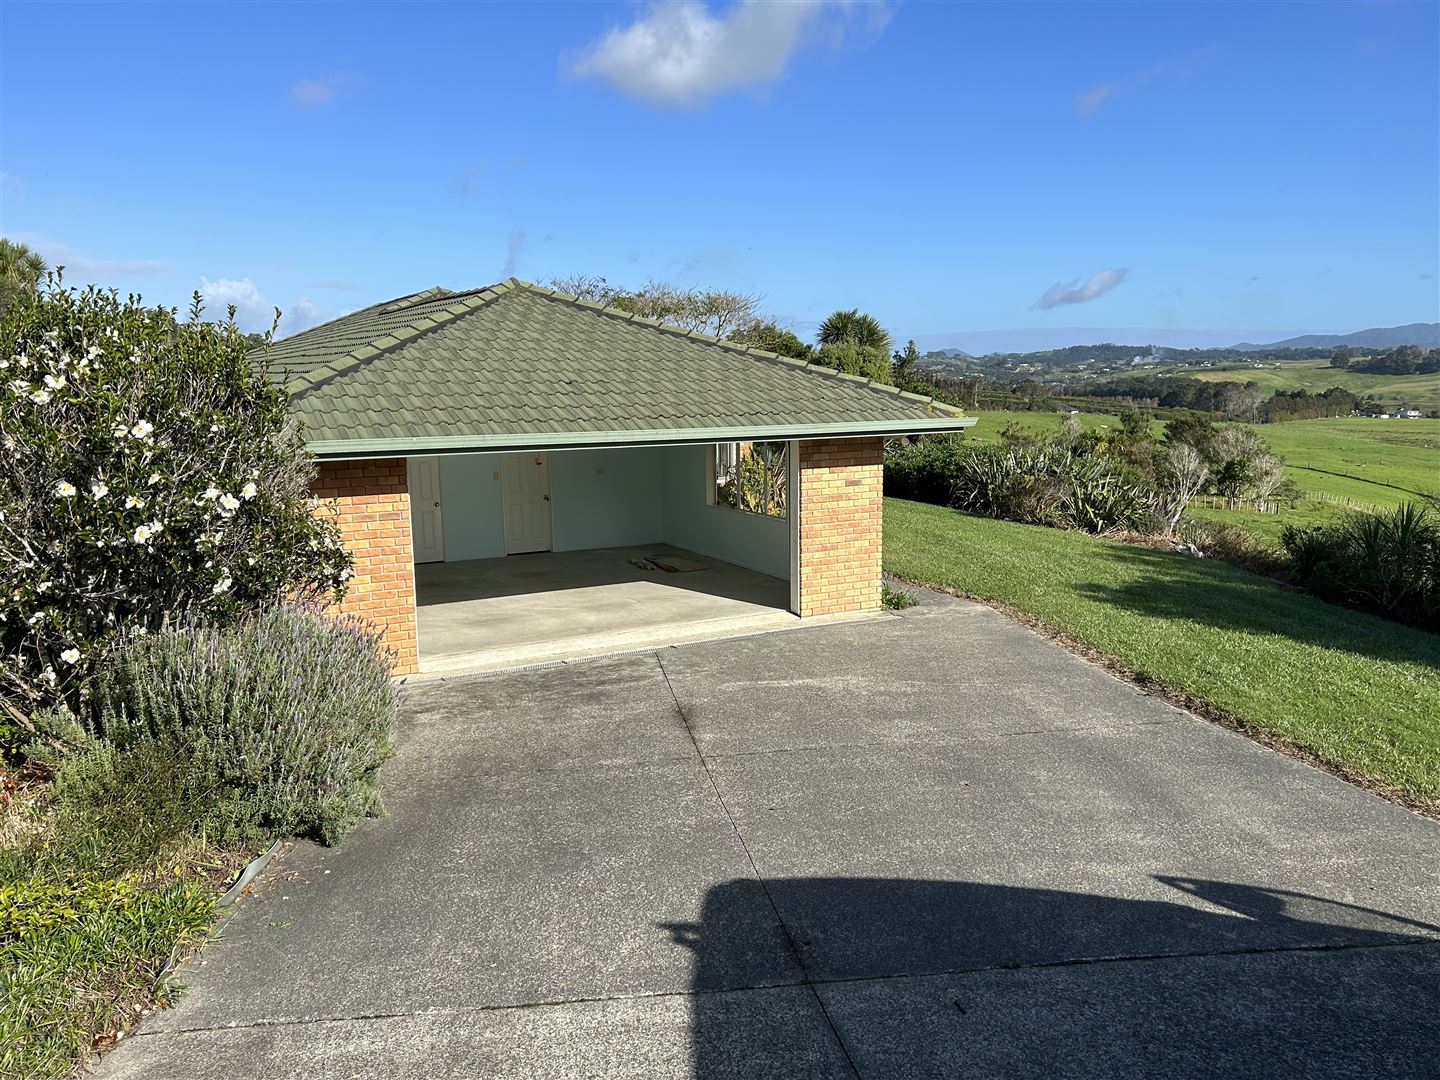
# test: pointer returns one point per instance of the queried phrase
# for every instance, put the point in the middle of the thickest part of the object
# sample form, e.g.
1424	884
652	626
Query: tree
21	271
854	326
905	363
855	343
1267	473
148	475
772	338
856	359
718	312
1192	429
1182	476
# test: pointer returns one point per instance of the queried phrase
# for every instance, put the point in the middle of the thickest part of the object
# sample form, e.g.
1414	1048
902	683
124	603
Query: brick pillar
372	505
841	522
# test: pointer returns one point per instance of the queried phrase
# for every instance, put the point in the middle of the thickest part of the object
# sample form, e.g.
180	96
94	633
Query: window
750	477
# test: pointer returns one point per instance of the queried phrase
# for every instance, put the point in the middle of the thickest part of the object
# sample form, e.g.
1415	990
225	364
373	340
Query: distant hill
1380	337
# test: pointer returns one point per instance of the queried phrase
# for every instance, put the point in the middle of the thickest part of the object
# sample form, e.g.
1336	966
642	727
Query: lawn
1360	693
1418	391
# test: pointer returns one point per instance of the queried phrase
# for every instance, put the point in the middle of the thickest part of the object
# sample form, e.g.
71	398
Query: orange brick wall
841	521
372	504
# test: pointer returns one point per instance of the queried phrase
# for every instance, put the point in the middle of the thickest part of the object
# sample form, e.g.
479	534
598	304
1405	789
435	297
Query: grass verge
1357	694
93	908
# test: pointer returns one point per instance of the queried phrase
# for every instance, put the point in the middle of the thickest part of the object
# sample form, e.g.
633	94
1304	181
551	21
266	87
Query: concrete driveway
931	845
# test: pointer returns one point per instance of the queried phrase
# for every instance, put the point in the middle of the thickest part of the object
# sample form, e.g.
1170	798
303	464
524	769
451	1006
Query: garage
523	477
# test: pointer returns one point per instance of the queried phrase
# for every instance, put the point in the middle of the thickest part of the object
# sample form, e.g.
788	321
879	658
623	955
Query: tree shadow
1225	597
907	978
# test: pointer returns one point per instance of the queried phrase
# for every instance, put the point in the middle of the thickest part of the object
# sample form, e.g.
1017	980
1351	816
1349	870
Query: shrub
1051	485
1387	562
278	724
1231	544
146	470
897	599
924	471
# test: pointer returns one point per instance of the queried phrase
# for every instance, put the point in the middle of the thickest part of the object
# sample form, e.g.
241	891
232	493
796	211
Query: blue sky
1211	167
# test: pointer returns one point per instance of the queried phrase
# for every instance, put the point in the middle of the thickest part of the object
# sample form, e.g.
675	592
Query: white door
525	488
426	533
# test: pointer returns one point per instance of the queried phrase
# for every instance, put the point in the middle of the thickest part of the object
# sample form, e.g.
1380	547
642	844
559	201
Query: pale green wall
612	498
760	543
470	514
606	498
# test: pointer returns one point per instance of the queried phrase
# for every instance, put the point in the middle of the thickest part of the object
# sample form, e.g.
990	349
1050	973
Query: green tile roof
515	366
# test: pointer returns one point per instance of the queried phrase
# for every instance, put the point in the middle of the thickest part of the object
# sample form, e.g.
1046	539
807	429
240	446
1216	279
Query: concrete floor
491	614
931	845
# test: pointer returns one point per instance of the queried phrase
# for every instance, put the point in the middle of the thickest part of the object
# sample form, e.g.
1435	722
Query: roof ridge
824	370
465	303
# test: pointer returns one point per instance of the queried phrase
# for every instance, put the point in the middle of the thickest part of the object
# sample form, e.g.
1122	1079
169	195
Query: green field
1338	463
1360	693
1418	391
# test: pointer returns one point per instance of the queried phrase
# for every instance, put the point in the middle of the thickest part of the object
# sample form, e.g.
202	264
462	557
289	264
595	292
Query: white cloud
84	269
312	93
254	313
1072	292
681	54
1089	102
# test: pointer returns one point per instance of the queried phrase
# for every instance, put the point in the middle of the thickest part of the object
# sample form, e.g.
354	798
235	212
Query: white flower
223	584
142	534
49	675
152	479
71	656
40	397
249	491
214	429
229	504
132	501
211	492
4	363
142	429
98	490
55	382
121	431
44	586
65	489
92	352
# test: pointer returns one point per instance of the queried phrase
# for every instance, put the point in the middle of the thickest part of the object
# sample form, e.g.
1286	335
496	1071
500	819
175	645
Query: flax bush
148	473
1386	562
278	724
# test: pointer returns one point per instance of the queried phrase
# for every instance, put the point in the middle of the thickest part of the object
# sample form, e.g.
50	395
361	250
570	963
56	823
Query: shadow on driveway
947	979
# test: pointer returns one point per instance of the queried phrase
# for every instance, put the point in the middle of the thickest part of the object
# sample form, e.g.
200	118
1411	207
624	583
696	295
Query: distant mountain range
1038	339
1379	337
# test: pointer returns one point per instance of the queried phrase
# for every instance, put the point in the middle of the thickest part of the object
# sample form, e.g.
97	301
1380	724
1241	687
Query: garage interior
525	558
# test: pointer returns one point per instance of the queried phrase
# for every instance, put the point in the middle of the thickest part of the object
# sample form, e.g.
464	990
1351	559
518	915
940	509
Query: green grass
1418	391
1267	527
1360	693
1383	462
99	886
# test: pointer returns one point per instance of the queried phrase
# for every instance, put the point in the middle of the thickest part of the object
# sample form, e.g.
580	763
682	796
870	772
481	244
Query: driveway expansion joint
791	946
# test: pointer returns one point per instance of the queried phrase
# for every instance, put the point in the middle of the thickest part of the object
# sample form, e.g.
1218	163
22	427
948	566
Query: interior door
426	532
525	487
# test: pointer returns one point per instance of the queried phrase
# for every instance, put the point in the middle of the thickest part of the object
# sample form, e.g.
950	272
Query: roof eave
360	449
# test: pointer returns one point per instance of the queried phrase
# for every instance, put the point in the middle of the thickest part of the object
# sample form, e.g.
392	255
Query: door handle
545	497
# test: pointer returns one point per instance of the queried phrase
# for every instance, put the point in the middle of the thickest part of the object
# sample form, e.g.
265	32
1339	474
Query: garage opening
526	558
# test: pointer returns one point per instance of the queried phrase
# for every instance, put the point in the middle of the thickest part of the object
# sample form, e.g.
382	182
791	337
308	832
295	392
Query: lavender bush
283	718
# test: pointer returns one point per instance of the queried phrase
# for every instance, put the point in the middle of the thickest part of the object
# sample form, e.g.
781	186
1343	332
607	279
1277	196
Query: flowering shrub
147	470
276	725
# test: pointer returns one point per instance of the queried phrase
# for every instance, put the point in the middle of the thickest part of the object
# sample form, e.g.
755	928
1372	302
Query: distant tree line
1404	360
